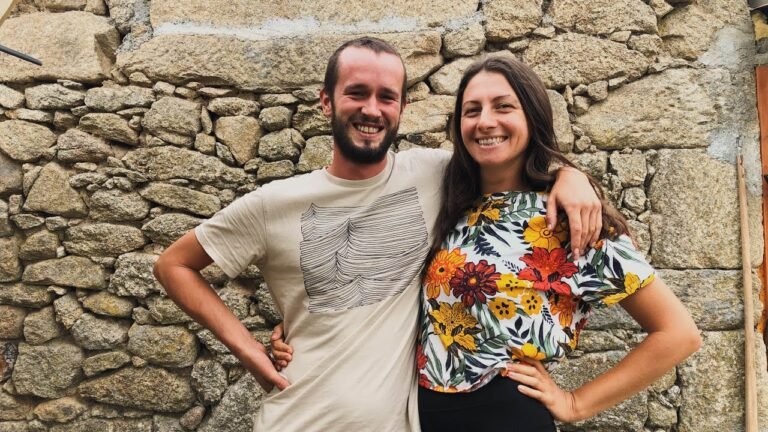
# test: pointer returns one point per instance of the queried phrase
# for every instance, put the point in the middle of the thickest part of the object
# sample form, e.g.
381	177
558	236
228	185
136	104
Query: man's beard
360	154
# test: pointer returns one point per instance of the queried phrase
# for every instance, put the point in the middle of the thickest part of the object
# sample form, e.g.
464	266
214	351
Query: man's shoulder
422	159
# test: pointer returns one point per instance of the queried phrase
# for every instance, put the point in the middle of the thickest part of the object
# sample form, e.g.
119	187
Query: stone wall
148	117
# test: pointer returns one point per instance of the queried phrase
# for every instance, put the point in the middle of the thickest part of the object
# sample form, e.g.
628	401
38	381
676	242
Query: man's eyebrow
355	87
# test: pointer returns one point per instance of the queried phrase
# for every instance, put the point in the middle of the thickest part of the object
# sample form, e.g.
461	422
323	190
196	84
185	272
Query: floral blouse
503	286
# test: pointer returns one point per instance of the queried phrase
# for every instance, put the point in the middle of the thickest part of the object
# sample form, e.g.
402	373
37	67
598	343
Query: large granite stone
68	310
52	96
602	17
10	267
263	64
693	199
169	346
72	271
173	115
11	322
310	120
241	134
236	410
428	115
671	109
631	169
94	333
118	206
464	41
629	415
446	79
47	370
24	141
115	98
572	59
60	410
688	31
39	246
14	407
233	106
147	388
510	19
75	145
716	403
52	194
19	294
10	98
76	46
133	276
285	144
561	121
168	162
166	311
181	198
41	326
102	239
722	308
331	12
275	118
105	425
108	304
166	229
317	154
105	361
10	176
109	126
209	379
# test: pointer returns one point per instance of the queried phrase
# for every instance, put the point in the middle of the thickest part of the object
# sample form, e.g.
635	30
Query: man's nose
371	108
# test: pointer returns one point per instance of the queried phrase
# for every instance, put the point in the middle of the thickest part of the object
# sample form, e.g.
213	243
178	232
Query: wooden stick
749	318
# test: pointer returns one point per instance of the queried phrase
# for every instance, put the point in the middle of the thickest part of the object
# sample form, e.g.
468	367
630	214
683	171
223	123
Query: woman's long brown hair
461	183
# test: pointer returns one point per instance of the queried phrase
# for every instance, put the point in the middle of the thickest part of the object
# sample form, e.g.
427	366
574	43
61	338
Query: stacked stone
135	130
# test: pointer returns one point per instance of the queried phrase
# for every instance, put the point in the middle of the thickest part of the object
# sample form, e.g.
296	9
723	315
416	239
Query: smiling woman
505	296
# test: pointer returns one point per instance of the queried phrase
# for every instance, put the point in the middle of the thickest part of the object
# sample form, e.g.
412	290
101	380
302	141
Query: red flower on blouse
546	268
474	282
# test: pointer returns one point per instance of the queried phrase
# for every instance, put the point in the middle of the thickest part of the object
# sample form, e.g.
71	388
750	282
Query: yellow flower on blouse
538	235
531	302
528	350
513	287
451	322
488	211
441	270
631	285
502	308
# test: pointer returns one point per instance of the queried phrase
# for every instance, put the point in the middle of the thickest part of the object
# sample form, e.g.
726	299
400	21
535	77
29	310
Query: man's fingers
277	332
279	346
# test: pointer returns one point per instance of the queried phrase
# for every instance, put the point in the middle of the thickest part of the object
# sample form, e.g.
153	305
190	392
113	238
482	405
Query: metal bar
20	55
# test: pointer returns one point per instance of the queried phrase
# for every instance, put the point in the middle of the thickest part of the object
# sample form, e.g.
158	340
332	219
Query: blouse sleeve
611	272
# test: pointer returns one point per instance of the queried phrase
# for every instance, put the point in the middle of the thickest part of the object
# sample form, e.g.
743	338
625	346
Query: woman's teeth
490	141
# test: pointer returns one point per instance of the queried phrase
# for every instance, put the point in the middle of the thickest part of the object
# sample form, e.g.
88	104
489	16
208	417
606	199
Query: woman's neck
502	180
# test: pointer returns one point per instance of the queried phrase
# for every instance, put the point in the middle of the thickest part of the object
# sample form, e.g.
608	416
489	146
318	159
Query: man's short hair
374	44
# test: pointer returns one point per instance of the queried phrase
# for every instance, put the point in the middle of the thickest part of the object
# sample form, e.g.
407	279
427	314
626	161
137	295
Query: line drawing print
357	256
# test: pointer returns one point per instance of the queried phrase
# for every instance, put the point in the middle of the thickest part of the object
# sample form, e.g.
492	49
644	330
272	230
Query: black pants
497	406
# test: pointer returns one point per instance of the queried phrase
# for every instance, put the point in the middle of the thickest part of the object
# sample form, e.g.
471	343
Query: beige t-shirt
342	259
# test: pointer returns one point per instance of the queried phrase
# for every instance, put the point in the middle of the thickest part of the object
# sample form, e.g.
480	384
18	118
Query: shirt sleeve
236	235
611	272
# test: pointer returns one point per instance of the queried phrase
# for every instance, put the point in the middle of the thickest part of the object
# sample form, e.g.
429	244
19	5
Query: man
341	250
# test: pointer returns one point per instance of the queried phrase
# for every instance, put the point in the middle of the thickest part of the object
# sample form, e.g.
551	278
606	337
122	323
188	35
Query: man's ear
325	103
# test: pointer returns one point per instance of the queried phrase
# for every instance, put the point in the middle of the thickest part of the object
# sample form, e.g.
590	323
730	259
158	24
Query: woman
502	294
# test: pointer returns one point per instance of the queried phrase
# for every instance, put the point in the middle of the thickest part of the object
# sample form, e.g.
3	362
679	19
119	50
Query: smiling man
341	250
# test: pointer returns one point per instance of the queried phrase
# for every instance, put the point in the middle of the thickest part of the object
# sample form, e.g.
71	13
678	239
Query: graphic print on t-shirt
357	256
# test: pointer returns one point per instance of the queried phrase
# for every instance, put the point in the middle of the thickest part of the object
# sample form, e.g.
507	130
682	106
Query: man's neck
343	168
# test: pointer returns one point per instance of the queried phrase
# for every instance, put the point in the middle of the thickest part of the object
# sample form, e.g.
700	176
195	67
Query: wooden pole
749	318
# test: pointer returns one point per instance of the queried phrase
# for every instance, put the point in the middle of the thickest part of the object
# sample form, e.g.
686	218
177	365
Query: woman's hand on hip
535	382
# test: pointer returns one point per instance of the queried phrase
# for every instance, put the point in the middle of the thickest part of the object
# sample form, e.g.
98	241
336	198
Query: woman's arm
672	336
178	270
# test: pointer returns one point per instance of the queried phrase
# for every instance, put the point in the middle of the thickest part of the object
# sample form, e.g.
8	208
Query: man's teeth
367	129
490	141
